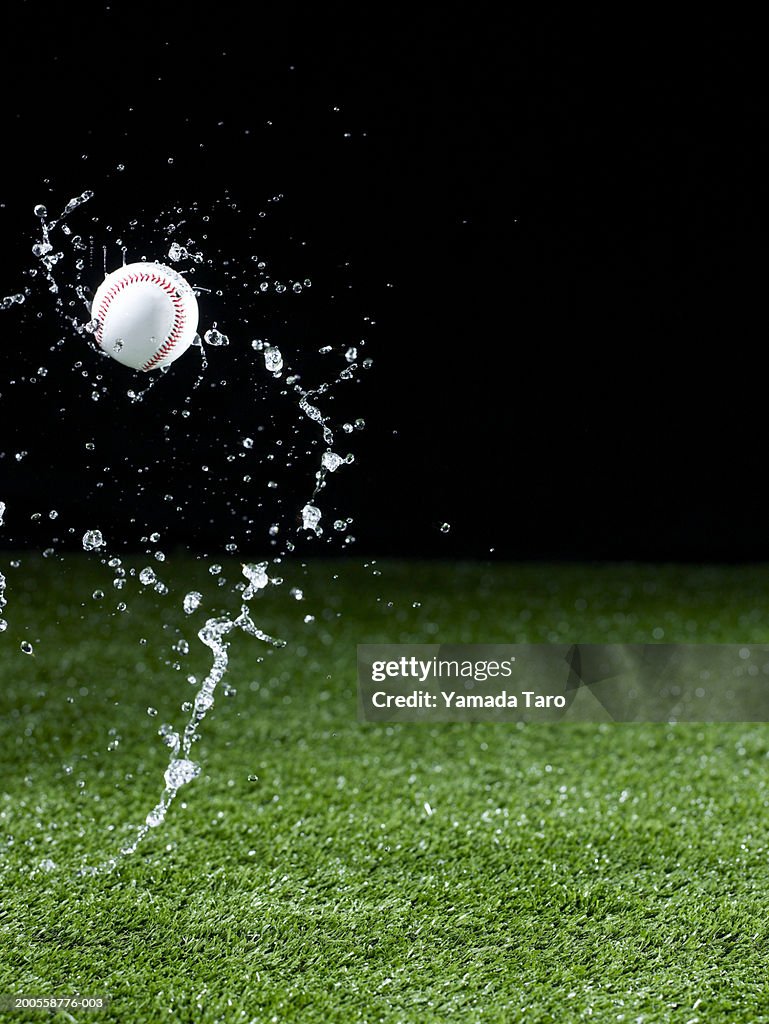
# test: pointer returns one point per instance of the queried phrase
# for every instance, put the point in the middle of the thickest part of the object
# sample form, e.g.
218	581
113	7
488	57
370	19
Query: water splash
49	250
180	252
182	769
44	250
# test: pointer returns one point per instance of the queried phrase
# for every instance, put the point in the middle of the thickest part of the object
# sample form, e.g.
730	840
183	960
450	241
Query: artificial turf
325	870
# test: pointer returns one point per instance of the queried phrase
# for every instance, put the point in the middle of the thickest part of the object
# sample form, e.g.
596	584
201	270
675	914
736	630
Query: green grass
568	872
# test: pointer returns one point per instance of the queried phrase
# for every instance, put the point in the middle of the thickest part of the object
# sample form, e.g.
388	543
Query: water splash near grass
65	261
216	632
182	769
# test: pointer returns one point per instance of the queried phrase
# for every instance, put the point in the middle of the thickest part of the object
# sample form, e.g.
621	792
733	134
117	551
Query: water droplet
216	338
27	647
192	601
92	540
147	576
311	517
273	359
257	577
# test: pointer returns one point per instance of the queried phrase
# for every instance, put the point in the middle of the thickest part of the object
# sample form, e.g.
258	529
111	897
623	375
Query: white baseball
146	314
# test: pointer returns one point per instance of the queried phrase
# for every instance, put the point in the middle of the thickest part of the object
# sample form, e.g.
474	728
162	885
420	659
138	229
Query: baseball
146	314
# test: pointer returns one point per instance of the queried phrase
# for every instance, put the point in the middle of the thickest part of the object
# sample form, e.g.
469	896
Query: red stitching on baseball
180	319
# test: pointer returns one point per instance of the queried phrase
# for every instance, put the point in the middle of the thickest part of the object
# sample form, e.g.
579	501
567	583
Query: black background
552	218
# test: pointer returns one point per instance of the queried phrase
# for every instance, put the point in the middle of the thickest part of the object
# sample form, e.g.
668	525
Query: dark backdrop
553	221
